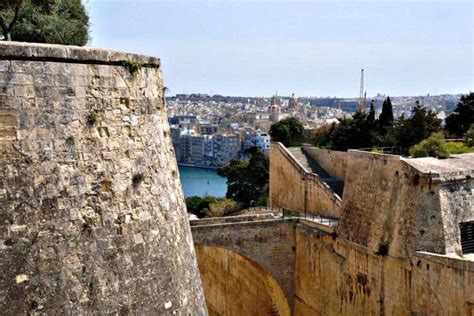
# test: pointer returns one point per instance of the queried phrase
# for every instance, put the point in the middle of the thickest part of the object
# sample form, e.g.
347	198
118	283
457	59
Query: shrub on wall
433	146
222	207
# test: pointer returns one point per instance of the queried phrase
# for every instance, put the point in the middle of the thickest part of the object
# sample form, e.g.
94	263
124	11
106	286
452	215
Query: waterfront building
208	129
258	139
226	147
175	137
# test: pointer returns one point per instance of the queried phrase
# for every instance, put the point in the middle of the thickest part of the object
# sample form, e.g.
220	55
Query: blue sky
312	48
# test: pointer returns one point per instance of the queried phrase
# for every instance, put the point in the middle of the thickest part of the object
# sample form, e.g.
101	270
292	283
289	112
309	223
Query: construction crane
363	94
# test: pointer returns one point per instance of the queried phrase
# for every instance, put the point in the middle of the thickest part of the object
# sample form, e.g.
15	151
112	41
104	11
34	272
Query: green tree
462	118
386	117
199	206
48	21
355	132
322	135
9	11
469	136
421	124
433	146
371	116
287	131
247	181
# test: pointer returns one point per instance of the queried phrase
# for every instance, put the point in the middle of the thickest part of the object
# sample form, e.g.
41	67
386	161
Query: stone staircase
313	167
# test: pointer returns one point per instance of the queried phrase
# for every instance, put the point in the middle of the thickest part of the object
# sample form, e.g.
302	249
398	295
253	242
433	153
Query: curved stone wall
235	285
92	215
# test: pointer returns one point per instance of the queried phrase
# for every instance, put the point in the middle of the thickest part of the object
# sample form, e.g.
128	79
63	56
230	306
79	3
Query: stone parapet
71	54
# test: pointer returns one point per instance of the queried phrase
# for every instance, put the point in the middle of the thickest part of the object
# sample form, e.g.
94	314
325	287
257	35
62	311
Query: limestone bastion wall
292	187
333	161
92	215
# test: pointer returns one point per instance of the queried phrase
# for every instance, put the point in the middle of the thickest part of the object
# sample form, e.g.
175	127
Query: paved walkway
313	167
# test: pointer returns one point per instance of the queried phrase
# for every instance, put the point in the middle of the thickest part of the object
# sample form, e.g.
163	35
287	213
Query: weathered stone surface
397	250
255	273
293	187
332	276
74	54
407	204
92	215
333	161
336	277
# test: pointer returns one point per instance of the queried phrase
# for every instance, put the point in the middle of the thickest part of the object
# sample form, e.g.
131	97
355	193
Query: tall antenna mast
361	94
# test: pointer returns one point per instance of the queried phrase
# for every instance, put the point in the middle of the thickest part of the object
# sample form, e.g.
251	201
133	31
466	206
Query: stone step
312	166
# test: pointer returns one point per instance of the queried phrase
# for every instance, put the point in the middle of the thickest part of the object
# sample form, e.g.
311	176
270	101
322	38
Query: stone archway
236	285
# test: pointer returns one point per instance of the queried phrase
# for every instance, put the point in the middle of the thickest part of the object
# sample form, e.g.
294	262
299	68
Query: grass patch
92	118
132	66
70	140
88	224
458	148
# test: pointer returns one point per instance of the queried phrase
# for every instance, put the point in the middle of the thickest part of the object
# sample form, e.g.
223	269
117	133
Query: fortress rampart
92	216
294	187
398	248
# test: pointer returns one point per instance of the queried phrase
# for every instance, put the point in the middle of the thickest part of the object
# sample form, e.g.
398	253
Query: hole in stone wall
383	249
137	180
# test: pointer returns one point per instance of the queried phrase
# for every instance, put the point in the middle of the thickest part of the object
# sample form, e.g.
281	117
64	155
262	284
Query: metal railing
329	221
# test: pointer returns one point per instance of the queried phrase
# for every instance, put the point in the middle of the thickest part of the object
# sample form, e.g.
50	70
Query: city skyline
310	49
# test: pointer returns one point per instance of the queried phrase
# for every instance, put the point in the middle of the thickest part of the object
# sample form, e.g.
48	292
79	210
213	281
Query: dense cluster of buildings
209	131
192	147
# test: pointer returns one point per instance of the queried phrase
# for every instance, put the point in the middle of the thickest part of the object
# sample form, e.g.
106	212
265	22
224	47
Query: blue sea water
201	182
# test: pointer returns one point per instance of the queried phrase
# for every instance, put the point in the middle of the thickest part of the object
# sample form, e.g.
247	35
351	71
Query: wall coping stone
307	175
268	222
231	219
71	54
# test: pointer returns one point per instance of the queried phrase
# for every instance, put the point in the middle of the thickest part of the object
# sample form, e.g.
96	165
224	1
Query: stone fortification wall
336	277
292	187
92	216
232	219
381	202
448	201
268	245
402	205
333	161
